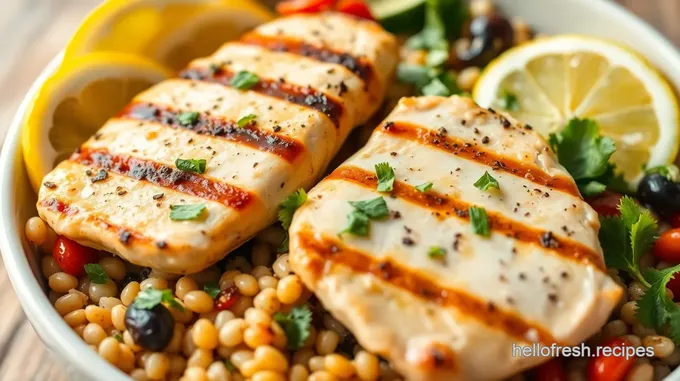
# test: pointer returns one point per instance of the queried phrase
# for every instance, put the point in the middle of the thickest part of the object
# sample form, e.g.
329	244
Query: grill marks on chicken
536	278
303	106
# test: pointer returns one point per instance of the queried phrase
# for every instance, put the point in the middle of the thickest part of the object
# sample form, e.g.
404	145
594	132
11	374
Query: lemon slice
76	101
173	32
558	78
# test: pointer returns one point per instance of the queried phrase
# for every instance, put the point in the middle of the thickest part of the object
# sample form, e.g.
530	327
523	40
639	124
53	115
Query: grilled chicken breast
317	76
422	288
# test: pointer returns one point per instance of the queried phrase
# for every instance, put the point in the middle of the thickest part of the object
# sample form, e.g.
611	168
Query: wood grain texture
34	31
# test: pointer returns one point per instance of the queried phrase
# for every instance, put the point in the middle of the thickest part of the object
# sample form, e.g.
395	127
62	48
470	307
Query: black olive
151	329
486	38
130	277
144	273
660	194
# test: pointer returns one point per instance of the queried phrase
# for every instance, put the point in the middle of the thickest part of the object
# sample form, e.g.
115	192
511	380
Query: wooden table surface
31	33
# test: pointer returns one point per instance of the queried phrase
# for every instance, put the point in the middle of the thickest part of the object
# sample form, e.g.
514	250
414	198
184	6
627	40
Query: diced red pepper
226	298
357	8
290	7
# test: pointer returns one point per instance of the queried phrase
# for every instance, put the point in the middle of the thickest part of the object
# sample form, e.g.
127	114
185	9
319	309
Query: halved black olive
151	329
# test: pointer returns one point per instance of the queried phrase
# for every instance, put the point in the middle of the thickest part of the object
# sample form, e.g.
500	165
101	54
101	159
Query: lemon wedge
76	101
172	32
549	81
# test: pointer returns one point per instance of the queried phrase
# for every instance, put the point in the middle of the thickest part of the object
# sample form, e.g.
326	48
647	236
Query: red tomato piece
72	256
667	247
226	298
357	8
674	285
675	220
550	371
610	368
290	7
606	203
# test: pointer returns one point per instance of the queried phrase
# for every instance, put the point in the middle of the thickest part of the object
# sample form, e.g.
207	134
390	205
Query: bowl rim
50	326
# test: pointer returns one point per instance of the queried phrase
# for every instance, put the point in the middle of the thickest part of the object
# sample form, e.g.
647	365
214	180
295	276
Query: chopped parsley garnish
296	324
433	36
670	171
424	187
96	273
212	289
150	298
246	120
374	209
436	252
479	221
244	80
357	223
286	211
188	118
118	337
186	212
508	101
486	181
627	237
585	154
655	309
385	175
427	80
191	165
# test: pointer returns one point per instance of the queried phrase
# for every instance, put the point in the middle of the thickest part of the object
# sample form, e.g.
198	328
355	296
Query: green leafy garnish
186	211
655	309
212	289
150	298
290	205
246	120
385	175
191	165
244	80
424	187
118	337
229	365
433	36
508	101
188	118
357	223
428	80
585	154
96	273
627	237
486	181
479	221
286	211
436	252
670	171
374	209
296	324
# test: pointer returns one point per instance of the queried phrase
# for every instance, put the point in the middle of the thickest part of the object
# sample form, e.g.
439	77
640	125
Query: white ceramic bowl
17	201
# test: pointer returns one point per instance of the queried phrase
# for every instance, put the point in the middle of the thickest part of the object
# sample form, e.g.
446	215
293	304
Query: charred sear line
420	286
478	154
445	207
252	136
164	176
358	66
303	96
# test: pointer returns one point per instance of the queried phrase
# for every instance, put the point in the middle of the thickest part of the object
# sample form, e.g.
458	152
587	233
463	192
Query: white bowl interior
17	202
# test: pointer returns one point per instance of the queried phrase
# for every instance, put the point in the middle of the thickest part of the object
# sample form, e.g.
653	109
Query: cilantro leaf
433	35
186	212
244	80
357	223
212	289
416	75
670	171
591	188
191	165
627	237
486	181
436	252
655	309
290	205
151	297
296	324
508	101
246	120
424	187
479	221
385	175
374	208
582	150
96	273
188	118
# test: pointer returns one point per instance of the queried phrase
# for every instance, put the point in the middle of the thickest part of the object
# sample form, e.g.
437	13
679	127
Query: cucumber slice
399	16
